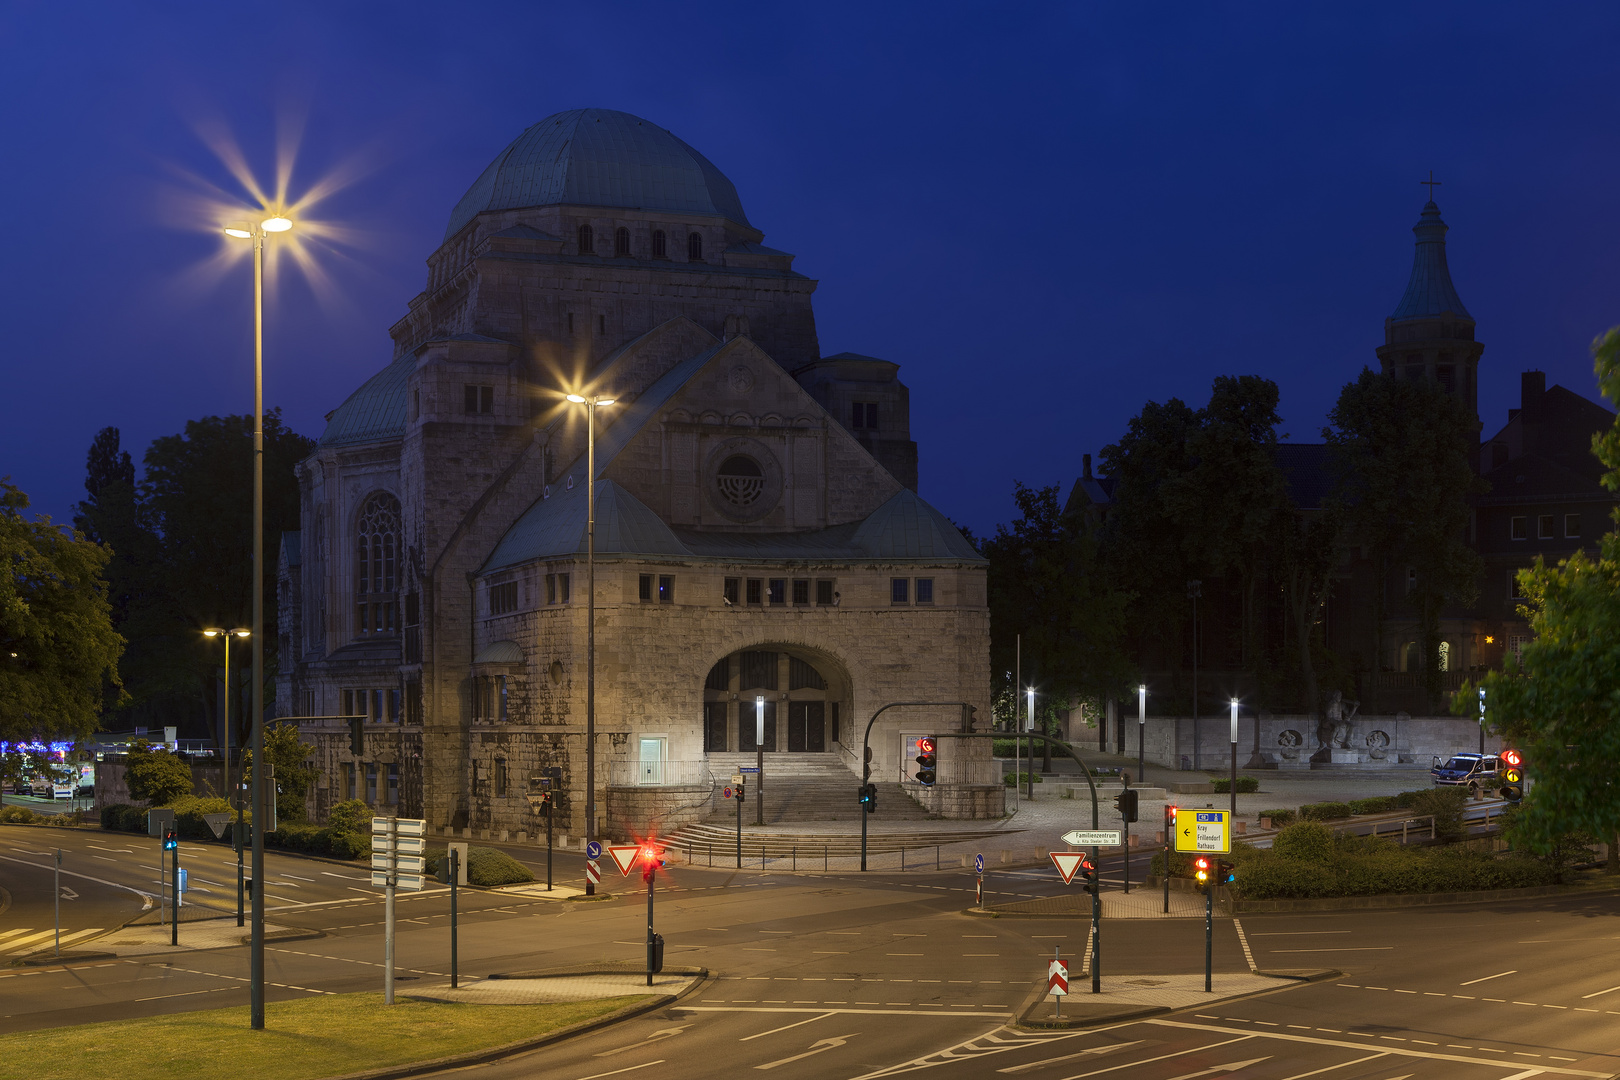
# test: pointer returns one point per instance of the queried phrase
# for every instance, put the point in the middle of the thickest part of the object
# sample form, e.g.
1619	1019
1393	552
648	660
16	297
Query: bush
1277	878
1362	866
1324	811
18	815
188	815
1245	784
1446	804
350	815
486	867
1279	818
1001	748
1305	841
1378	804
124	817
156	776
1018	778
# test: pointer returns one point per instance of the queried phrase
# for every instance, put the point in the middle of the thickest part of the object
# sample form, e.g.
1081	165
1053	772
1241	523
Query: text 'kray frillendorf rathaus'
758	530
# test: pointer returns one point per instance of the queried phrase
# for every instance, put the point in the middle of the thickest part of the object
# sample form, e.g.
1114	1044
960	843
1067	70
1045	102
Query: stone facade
757	531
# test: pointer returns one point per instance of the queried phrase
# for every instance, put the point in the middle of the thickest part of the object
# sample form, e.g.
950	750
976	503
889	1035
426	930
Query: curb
1406	900
1126	1013
62	961
495	1053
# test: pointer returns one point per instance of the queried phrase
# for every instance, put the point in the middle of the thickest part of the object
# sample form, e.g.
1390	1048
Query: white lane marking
1213	1069
1353	948
1343	1065
1488	978
1600	993
1241	1036
1297	933
616	1072
1092	1052
820	1046
1244	941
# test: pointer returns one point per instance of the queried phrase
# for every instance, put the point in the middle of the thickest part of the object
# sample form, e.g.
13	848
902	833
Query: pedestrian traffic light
1512	776
869	797
651	859
926	759
969	714
1088	874
1125	803
171	840
866	766
357	736
1225	872
1170	825
1201	872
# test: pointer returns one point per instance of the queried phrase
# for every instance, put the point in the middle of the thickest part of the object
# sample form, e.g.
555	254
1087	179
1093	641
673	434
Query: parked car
42	787
1477	772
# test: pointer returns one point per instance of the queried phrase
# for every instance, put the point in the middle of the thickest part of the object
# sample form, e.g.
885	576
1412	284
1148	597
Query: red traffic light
925	744
1202	864
1511	757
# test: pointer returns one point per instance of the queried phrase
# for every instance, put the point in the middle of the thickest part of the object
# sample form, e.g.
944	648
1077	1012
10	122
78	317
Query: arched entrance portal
801	694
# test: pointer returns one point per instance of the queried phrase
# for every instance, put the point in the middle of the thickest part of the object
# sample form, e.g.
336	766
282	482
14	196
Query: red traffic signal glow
925	745
1512	757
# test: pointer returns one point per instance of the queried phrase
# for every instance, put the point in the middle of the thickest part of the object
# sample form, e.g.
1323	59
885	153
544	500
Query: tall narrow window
646	588
587	240
1572	526
731	591
1544	527
865	416
601	324
621	241
899	590
660	247
754	590
376	574
694	247
666	588
478	400
778	590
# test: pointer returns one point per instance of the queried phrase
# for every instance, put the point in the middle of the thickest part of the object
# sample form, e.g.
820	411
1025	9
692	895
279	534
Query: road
852	976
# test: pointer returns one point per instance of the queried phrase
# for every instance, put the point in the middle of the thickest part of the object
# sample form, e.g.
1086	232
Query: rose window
741	481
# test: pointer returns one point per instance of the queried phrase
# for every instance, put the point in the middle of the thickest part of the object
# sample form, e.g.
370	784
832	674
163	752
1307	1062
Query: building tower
1430	335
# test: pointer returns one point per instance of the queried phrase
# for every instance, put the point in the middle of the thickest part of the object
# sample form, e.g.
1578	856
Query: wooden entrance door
807	727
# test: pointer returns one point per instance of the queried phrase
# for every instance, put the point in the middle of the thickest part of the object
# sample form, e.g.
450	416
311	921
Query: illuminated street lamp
1029	726
1141	733
274	224
225	750
1234	759
591	405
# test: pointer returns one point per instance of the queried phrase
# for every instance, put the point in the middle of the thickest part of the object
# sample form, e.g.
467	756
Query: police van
1476	772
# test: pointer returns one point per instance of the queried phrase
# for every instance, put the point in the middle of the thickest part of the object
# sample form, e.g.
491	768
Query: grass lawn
302	1040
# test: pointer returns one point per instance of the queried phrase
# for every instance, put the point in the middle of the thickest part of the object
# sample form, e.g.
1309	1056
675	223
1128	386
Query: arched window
587	240
694	247
660	249
376	566
621	241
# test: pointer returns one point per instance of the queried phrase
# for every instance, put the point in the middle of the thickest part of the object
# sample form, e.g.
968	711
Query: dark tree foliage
1401	448
1047	585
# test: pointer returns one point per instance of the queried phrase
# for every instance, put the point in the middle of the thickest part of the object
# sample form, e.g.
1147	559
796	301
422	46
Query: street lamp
1234	758
1029	726
225	750
1141	732
274	224
591	405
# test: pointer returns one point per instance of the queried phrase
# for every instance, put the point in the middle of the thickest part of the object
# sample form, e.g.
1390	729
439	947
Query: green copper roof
599	157
1429	291
375	411
555	527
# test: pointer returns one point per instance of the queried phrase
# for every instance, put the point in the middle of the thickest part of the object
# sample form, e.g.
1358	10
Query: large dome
598	157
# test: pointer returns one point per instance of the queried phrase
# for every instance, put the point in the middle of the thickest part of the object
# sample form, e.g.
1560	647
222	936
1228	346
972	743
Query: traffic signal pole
1096	922
1209	929
455	877
742	796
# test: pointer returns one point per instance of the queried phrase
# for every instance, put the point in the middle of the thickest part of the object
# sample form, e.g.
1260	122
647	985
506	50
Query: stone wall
1291	741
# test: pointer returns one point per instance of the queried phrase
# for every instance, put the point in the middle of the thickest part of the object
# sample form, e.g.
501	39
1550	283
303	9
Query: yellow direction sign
1204	830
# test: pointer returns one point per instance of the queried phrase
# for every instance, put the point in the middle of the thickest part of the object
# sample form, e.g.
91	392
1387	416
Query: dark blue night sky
1046	214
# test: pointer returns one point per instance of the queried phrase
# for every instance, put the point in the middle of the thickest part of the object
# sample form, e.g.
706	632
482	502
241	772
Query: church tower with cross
1430	334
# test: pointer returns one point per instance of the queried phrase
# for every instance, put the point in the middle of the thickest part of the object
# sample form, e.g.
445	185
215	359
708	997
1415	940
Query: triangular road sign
1068	863
625	856
217	822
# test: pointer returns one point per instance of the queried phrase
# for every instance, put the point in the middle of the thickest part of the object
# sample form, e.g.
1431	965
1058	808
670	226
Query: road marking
1352	948
1600	993
1092	1052
1244	941
1000	1015
773	1031
1488	978
1297	933
1343	1065
1131	1064
616	1072
820	1046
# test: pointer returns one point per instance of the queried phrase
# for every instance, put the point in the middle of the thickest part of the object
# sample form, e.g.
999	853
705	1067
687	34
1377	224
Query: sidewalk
548	989
1125	996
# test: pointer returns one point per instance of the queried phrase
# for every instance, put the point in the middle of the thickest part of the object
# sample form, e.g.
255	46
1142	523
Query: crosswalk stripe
12	933
42	936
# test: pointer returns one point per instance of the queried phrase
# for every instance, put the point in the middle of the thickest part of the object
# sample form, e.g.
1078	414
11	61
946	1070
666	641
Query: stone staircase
807	787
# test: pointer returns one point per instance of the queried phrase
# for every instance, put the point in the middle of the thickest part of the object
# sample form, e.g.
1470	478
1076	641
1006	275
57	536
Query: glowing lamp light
576	399
276	224
241	232
1489	640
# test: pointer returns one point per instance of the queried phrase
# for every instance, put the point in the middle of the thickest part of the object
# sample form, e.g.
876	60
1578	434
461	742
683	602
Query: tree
289	760
1560	701
1047	585
155	776
57	643
1401	450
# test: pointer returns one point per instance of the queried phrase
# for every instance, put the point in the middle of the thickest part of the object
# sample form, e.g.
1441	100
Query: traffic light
866	767
926	759
1170	825
544	806
1512	788
969	713
1224	872
171	840
357	736
869	797
1125	803
1201	871
1088	874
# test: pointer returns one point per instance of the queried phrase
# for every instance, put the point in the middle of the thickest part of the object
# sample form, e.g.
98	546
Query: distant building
758	533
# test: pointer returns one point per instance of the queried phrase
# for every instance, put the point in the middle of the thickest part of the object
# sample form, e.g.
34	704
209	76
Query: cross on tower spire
1432	184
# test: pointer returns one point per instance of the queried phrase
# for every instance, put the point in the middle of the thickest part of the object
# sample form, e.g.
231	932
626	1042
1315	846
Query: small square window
824	591
864	415
754	584
562	588
732	591
801	590
925	590
778	590
478	399
899	590
666	589
646	588
1544	527
1572	526
1519	528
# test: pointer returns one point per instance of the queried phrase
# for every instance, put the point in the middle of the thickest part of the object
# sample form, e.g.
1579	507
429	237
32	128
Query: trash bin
1186	763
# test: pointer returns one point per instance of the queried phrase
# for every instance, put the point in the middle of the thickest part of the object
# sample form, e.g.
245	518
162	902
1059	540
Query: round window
741	481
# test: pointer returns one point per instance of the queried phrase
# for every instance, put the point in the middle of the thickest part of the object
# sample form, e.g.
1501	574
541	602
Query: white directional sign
411	864
397	848
379	880
1092	837
1204	830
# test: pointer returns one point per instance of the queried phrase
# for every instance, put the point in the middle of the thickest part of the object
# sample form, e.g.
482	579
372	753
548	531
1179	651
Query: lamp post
1029	726
274	224
1234	759
1141	732
1195	589
225	752
591	405
1481	720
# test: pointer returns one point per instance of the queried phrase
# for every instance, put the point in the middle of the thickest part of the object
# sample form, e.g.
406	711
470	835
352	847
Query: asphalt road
854	976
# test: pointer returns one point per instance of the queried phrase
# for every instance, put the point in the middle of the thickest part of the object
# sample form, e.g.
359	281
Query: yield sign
1068	863
217	822
625	856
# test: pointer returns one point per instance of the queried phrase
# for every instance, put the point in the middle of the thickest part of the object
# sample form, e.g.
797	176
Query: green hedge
339	841
1324	811
1018	778
486	867
1245	784
1379	804
1381	867
1280	817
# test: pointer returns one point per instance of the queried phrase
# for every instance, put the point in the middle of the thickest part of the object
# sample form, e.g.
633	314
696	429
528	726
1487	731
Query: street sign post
1092	838
978	868
1205	831
593	872
397	849
1057	981
1068	864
